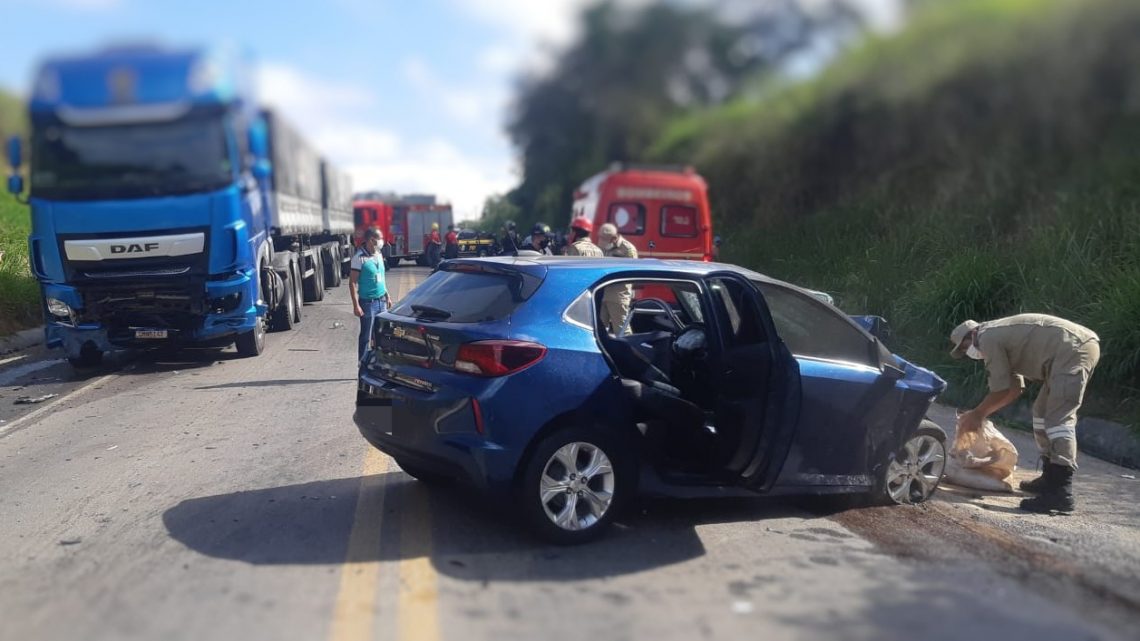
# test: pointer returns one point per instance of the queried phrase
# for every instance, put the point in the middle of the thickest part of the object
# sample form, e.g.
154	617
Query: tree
612	92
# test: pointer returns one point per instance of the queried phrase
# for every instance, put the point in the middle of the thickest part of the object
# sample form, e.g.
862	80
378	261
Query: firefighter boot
1037	485
1057	496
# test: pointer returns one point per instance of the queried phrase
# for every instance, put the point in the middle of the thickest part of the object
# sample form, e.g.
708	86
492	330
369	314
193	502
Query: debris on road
31	400
982	460
71	541
113	447
1123	476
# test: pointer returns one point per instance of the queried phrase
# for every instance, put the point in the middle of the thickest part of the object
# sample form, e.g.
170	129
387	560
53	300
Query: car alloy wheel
915	472
576	487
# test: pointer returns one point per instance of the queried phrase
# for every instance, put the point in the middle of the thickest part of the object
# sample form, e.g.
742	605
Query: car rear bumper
437	434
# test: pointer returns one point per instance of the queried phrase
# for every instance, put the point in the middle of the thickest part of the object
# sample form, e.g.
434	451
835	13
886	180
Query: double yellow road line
417	601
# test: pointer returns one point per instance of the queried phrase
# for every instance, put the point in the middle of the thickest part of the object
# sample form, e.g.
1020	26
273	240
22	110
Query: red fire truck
405	223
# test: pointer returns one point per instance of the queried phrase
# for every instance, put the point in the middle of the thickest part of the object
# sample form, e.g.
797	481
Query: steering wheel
656	302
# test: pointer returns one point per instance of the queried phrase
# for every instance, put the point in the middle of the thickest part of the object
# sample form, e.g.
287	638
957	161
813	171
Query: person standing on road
539	239
434	246
1061	354
580	243
617	299
367	287
451	248
510	243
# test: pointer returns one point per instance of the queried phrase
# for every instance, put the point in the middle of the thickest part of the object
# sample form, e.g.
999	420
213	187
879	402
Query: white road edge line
11	427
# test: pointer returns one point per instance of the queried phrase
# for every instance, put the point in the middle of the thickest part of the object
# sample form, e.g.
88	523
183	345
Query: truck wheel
89	357
298	302
314	286
392	263
252	343
284	317
332	269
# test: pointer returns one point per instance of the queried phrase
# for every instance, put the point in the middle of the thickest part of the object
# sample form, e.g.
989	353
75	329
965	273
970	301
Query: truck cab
662	210
168	208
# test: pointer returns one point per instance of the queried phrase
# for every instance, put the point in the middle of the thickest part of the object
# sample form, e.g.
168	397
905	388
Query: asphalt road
202	496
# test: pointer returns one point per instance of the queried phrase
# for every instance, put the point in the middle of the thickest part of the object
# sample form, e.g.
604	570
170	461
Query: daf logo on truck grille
134	248
99	249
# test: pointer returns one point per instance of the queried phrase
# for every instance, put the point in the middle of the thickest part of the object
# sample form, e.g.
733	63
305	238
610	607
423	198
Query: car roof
606	266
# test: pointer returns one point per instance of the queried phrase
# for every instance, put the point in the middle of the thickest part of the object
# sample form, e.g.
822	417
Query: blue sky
408	95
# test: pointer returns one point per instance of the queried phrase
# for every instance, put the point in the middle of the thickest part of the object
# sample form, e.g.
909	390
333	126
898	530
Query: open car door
757	382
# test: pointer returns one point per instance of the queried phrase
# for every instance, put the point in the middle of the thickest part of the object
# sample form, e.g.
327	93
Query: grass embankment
19	292
981	163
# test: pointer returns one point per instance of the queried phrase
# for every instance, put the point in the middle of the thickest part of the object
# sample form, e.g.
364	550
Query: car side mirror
261	169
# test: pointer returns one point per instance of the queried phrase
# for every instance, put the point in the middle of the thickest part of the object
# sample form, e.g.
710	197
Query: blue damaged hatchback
570	385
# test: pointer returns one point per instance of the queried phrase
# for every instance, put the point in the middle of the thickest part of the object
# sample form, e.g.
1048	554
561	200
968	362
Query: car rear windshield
468	296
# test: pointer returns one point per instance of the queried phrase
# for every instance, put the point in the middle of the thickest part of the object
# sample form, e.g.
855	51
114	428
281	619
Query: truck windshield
130	161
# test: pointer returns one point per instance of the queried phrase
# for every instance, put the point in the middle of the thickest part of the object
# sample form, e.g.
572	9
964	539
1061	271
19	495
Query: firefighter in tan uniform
580	244
1059	353
617	299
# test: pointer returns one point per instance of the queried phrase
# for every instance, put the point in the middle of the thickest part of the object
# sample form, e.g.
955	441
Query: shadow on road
277	383
472	537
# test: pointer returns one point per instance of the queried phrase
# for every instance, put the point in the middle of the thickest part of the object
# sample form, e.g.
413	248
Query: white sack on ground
982	460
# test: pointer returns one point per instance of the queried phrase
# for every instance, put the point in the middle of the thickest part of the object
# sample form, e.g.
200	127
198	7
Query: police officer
540	239
1059	353
580	243
509	246
617	299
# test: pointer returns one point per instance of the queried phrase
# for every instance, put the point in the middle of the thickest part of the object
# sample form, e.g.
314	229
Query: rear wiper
427	311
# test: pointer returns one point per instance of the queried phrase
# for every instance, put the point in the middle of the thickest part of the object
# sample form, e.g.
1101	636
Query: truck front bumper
228	307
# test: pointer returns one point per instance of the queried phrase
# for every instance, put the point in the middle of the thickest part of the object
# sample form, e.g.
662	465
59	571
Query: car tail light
497	358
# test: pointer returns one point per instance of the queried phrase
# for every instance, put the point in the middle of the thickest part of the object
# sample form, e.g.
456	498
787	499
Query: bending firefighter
617	299
1060	354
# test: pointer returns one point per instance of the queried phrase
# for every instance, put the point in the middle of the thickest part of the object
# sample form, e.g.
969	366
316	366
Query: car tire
912	474
568	516
423	475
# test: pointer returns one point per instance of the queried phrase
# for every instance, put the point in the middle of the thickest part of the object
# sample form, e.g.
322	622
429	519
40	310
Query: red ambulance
662	210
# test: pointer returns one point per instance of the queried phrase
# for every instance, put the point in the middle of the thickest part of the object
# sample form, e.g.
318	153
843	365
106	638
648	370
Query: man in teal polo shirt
366	286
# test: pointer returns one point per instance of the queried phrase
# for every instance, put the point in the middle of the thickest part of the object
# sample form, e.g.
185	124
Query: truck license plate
150	333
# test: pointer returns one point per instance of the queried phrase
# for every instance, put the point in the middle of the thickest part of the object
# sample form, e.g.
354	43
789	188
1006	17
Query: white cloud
475	105
498	60
87	5
552	21
334	117
306	99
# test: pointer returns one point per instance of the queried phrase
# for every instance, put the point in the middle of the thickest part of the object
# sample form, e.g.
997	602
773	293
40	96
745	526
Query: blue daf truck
169	208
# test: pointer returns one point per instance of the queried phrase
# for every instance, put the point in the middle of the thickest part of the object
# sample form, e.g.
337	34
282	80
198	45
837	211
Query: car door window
811	328
740	320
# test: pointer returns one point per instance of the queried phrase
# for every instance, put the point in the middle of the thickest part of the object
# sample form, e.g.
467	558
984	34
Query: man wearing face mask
1059	353
366	286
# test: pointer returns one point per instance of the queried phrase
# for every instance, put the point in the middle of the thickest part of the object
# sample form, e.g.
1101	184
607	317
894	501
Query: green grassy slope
980	163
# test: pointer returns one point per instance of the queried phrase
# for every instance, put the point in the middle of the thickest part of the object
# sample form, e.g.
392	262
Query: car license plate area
150	334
